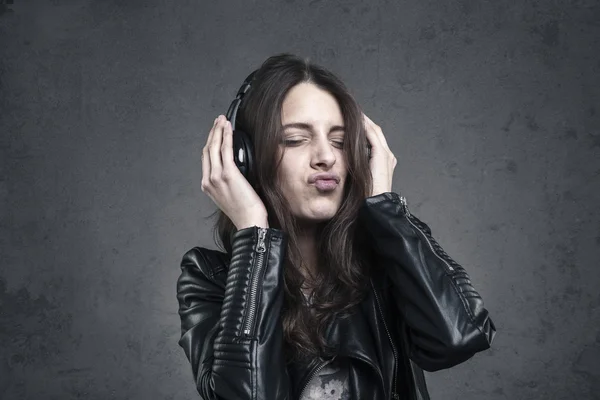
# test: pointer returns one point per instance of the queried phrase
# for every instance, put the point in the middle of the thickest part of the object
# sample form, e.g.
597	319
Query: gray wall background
491	108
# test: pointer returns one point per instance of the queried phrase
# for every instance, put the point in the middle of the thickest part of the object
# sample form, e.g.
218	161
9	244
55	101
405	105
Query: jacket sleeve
231	329
445	318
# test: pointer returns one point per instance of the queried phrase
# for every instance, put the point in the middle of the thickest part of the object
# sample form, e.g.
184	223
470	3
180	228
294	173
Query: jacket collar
352	337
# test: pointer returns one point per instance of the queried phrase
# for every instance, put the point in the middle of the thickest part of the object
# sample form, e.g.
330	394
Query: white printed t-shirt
330	383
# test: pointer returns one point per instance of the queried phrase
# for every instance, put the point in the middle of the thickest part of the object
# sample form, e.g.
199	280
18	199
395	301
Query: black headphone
243	150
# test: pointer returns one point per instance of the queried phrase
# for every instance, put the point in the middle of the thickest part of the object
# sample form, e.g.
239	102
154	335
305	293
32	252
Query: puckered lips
324	181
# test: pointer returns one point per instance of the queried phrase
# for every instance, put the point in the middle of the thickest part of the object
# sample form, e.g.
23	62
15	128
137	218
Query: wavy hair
341	256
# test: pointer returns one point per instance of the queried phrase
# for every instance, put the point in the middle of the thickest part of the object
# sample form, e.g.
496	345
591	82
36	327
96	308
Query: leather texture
421	313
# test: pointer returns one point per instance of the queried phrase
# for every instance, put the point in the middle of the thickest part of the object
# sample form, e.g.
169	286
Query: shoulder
200	288
207	262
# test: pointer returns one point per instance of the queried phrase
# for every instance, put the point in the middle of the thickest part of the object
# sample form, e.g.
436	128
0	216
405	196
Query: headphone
243	149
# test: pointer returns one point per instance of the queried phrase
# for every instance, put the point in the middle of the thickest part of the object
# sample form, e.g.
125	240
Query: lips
324	181
325	184
323	176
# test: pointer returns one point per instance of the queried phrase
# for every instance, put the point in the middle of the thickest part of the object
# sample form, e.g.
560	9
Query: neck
307	243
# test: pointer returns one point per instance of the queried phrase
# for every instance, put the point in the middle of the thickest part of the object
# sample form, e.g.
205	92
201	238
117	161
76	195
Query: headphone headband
235	104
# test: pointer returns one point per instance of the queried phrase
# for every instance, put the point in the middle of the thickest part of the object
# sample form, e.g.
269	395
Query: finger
378	132
206	158
210	134
370	131
205	170
227	148
214	149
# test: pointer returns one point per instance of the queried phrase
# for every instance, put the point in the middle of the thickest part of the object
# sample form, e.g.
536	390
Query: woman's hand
382	160
223	182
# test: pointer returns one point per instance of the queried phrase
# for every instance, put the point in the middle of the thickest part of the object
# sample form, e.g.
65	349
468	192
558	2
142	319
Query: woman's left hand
382	160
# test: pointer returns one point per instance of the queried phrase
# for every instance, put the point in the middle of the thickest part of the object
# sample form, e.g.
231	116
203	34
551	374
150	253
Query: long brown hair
342	270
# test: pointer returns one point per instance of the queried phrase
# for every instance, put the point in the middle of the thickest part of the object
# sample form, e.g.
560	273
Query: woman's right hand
224	183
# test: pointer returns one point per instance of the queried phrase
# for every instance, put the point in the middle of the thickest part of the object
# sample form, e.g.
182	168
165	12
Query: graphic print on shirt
331	383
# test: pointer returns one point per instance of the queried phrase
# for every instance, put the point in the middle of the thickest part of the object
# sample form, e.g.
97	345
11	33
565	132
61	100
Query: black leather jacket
423	314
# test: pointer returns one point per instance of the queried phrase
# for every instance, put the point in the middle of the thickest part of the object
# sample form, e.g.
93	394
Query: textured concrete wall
491	107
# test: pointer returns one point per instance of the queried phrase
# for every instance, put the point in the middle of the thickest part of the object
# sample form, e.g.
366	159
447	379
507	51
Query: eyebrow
309	127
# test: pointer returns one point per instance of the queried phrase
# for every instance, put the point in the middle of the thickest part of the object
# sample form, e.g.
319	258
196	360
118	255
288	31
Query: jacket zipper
315	372
260	249
395	395
409	218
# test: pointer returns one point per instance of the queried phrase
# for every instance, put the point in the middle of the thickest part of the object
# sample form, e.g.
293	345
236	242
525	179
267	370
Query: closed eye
291	142
340	144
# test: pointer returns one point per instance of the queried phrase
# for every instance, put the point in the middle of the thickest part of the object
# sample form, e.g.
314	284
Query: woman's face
312	142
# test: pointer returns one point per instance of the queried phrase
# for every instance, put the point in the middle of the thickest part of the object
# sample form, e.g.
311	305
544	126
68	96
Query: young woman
326	286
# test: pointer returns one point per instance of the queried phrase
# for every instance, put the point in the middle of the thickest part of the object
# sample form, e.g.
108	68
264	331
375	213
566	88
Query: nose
323	153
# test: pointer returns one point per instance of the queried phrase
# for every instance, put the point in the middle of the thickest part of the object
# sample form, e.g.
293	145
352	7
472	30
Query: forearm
249	348
445	315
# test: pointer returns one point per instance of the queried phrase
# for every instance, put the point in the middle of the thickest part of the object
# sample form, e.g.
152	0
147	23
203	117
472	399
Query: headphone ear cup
243	154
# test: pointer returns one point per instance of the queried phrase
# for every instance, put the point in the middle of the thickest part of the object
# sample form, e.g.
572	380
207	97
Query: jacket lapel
353	337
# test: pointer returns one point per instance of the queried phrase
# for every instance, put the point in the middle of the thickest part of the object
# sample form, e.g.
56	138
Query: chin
322	218
318	210
319	216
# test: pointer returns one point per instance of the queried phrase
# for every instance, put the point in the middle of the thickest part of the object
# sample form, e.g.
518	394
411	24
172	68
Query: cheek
287	176
291	169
